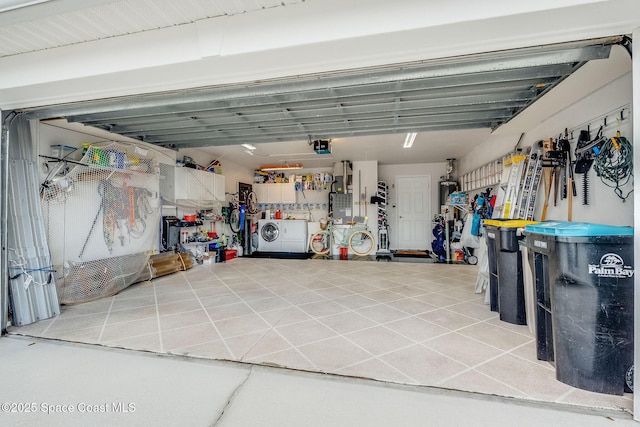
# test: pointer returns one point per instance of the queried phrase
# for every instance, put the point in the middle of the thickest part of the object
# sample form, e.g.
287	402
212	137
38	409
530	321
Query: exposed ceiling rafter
475	91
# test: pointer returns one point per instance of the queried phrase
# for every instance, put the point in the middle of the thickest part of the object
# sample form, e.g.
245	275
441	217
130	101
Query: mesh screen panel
102	217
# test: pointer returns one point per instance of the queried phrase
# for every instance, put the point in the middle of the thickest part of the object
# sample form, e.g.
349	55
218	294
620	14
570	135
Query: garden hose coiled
614	164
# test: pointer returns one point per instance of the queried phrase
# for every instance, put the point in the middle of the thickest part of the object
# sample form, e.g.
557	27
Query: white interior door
414	211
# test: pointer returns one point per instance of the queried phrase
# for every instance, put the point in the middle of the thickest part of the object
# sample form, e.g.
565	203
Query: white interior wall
388	173
588	110
588	79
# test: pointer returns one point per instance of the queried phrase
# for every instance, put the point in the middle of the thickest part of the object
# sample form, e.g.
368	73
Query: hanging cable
20	264
614	164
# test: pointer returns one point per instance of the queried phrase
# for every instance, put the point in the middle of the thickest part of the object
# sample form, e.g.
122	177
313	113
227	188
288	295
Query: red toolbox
230	254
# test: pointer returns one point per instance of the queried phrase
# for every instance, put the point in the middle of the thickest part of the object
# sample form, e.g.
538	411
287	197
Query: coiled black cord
614	165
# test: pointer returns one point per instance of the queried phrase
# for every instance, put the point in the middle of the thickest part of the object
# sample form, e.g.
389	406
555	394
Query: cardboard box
458	198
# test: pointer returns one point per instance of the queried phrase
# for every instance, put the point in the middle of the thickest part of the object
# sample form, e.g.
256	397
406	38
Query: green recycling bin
591	290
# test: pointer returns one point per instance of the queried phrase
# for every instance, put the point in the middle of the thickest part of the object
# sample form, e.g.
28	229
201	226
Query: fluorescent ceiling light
249	146
281	167
408	141
249	152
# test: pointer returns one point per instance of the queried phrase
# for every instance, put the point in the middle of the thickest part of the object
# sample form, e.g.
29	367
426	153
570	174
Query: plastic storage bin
584	280
510	294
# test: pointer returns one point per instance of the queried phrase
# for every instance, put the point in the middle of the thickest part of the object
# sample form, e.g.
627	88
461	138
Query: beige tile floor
410	323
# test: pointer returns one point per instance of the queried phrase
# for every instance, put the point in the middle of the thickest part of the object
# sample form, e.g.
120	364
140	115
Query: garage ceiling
472	92
35	25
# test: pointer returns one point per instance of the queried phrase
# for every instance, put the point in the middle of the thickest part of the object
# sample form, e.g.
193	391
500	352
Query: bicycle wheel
361	243
252	203
320	242
234	220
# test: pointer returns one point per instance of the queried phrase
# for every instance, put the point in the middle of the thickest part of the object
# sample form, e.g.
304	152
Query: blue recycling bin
584	280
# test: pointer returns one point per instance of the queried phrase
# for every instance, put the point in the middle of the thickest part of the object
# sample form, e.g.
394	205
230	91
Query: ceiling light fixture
281	167
408	141
249	146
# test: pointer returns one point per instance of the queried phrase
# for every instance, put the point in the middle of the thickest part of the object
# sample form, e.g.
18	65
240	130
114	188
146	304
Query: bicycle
357	238
250	199
239	208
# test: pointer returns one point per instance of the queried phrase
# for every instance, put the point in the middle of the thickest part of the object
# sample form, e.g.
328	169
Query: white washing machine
269	235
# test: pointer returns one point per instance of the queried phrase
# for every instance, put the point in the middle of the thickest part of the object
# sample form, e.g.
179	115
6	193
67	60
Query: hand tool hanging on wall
555	160
586	150
557	170
553	163
563	147
547	173
570	190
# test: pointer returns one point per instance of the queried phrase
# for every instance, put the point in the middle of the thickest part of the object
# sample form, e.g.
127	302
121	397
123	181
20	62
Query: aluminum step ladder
529	193
510	185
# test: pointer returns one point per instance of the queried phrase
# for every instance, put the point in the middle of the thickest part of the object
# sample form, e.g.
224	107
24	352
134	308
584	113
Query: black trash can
492	233
590	273
510	292
544	264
